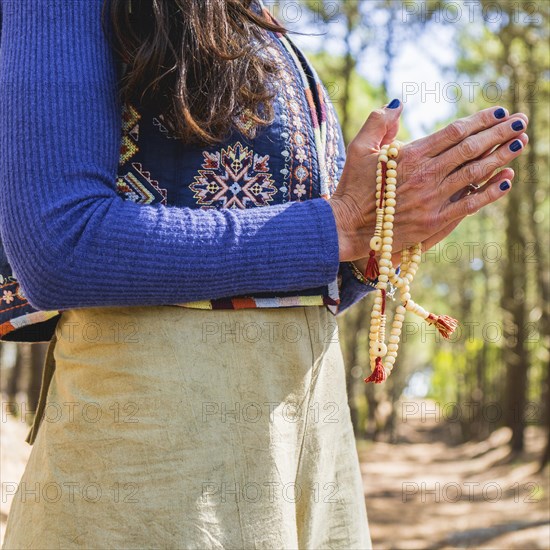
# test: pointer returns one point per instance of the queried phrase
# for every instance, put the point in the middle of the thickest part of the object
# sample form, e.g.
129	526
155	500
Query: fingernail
516	146
505	185
517	126
500	113
394	104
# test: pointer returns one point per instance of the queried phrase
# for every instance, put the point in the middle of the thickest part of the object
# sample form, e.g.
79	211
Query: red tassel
378	375
443	323
371	271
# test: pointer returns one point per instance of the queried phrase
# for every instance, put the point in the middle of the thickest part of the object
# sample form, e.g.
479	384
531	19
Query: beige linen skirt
167	427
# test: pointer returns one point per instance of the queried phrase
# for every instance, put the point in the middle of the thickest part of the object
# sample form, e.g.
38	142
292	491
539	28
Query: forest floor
421	493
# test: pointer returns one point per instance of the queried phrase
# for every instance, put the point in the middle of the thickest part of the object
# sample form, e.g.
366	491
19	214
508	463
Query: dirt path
421	495
427	495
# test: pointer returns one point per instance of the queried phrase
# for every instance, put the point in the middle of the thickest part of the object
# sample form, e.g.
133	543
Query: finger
376	127
498	186
460	129
512	117
392	133
473	147
506	173
481	170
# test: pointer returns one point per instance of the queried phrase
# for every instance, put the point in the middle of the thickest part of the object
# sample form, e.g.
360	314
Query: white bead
384	261
391	181
383	158
393	347
389	218
384	270
392	165
390	210
387	240
391	202
400	310
393	152
382	349
376	243
406	297
390	360
390	194
391	173
394	339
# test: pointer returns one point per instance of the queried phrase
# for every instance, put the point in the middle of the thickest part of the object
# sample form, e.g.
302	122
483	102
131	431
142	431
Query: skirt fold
167	427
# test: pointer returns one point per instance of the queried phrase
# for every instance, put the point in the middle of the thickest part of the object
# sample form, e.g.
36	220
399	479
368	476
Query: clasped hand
433	178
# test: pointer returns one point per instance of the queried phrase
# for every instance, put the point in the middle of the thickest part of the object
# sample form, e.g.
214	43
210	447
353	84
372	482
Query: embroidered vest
298	157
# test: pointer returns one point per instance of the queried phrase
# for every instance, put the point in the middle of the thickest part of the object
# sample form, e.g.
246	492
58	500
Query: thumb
380	124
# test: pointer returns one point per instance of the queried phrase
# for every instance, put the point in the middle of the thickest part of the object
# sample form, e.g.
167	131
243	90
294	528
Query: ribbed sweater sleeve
71	240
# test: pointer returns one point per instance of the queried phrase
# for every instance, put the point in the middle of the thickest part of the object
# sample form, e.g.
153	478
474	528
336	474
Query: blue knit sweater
71	239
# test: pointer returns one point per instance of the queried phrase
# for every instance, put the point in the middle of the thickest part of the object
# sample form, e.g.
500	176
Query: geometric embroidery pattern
234	177
137	186
130	133
297	179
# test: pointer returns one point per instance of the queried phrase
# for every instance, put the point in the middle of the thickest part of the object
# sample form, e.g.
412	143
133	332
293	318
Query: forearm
71	240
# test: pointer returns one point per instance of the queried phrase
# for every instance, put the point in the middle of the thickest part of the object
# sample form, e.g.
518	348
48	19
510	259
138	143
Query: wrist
345	251
360	275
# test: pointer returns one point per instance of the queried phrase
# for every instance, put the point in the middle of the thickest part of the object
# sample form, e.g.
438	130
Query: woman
193	236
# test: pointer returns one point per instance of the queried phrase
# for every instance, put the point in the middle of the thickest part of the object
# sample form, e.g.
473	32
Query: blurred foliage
492	273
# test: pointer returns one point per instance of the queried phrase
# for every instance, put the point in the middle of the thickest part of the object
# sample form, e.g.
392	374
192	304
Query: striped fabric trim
251	303
26	320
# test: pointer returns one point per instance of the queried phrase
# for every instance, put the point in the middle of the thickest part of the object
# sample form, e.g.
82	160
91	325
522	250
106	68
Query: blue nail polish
500	113
505	185
517	126
516	146
394	104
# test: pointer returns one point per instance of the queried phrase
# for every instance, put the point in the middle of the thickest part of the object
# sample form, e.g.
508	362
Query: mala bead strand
372	269
382	241
378	348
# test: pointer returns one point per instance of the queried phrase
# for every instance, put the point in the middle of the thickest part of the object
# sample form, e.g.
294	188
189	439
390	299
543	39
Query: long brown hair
197	62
